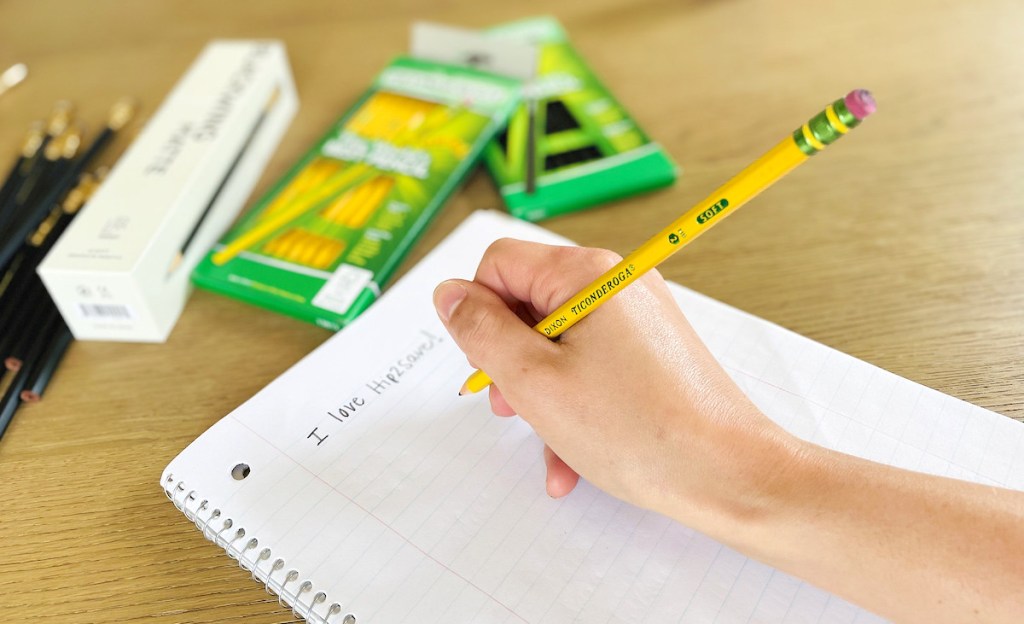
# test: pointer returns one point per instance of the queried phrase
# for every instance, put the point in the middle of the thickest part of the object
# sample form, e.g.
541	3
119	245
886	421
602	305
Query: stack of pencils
42	193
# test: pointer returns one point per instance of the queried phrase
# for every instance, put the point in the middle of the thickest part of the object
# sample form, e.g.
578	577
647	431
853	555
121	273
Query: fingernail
447	296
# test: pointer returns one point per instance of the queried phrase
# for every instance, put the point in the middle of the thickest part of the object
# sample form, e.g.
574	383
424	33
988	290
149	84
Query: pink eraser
860	103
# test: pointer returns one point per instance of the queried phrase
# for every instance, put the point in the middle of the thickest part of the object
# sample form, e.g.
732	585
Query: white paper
403	502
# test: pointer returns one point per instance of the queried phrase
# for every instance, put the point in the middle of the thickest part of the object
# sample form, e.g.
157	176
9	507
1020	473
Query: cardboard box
322	243
121	270
570	145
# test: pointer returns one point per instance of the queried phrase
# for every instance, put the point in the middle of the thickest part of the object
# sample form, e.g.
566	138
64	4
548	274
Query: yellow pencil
810	138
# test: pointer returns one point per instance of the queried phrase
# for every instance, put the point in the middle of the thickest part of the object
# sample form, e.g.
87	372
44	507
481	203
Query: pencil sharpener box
320	245
571	144
121	270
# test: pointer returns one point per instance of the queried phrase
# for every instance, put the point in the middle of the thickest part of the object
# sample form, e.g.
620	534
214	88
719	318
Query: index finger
543	276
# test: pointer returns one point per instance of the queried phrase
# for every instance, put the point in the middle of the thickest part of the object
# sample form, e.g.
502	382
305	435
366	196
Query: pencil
11	385
43	369
812	137
40	200
15	176
34	332
531	146
180	256
120	114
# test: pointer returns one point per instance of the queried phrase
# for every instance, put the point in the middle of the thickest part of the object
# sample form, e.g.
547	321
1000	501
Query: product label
342	288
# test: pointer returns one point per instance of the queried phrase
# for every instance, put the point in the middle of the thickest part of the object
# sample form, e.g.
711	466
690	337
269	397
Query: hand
629	397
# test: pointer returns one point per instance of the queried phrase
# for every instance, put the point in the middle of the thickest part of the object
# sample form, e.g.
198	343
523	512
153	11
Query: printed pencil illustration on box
571	144
321	243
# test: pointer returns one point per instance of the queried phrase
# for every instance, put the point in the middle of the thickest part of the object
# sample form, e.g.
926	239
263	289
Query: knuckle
500	248
604	259
476	326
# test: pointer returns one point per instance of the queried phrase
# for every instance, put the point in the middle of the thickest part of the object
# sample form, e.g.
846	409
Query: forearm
908	546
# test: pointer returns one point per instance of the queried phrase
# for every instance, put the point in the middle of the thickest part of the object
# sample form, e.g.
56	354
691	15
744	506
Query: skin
632	400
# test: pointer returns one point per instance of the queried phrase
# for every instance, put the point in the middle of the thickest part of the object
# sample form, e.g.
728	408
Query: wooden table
904	246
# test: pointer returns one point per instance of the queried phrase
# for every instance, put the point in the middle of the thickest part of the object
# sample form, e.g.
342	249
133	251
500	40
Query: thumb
488	332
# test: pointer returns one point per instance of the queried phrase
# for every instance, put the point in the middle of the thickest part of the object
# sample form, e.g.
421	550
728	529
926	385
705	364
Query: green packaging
571	144
321	244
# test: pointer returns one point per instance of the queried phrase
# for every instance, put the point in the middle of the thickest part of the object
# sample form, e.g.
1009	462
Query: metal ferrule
824	128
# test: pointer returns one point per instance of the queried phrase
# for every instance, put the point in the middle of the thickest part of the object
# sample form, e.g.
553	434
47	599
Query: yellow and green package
571	144
321	244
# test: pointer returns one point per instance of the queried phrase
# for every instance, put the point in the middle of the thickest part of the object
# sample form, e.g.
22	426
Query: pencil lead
121	113
60	118
175	263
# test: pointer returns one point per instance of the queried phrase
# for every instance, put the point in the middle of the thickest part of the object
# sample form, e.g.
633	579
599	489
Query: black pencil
180	256
32	203
12	384
120	114
44	367
33	336
21	277
30	318
531	146
29	149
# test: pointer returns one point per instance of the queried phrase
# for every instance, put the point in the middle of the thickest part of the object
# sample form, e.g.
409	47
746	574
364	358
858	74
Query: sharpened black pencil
30	317
26	348
11	398
23	276
180	256
45	366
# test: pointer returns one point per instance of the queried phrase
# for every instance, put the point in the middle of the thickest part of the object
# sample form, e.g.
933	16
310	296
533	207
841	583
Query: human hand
630	397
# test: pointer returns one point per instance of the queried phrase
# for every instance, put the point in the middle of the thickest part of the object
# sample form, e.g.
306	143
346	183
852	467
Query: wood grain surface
902	245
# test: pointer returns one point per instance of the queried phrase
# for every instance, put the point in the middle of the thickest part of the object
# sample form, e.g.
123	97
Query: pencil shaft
813	136
11	399
30	315
46	364
13	181
224	181
34	213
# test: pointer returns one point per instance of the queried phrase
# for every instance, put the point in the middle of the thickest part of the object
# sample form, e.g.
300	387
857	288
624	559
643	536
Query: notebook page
404	502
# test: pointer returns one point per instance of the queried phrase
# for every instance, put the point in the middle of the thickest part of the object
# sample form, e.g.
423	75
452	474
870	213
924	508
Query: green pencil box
323	241
571	144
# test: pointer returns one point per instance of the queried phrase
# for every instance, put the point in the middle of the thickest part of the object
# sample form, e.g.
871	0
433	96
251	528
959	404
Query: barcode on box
106	311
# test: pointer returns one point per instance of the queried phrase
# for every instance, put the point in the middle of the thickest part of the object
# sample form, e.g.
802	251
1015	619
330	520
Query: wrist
761	475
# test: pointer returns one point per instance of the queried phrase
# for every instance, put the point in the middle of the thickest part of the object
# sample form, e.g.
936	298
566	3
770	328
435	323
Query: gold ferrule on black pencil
60	118
54	148
121	113
77	197
39	236
33	140
72	141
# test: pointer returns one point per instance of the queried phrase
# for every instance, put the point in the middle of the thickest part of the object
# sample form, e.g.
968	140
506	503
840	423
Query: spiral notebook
360	488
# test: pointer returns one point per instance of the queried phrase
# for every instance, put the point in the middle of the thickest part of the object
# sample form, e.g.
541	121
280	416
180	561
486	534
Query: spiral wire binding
239	553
